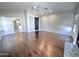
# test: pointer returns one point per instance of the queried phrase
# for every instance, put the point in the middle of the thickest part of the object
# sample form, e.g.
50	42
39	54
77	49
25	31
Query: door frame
38	24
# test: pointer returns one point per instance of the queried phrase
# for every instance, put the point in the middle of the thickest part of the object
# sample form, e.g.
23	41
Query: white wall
7	23
75	34
76	27
1	27
6	26
27	19
77	18
11	13
25	24
59	23
17	14
31	22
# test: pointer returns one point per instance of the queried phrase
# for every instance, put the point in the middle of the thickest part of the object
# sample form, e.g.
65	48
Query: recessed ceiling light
50	11
44	17
41	13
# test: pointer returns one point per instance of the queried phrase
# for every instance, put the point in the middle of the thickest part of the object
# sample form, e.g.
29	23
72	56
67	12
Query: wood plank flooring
35	44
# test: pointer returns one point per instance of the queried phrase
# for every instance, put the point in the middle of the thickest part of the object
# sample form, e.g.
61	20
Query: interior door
36	23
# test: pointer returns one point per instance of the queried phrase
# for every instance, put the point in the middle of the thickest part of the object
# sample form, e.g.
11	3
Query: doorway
17	24
36	24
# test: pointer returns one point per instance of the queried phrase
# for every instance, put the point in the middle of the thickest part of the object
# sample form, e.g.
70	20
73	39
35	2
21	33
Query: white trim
36	30
55	32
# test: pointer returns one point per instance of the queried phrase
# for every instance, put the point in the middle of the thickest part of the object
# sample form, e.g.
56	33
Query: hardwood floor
36	44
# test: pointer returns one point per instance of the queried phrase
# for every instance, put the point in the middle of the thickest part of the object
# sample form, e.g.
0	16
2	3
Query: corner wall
31	22
61	23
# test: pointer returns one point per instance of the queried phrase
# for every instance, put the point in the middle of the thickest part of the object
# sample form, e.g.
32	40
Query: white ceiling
54	6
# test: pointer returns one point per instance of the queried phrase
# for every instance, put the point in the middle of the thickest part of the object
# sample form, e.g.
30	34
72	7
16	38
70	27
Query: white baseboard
55	32
48	31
